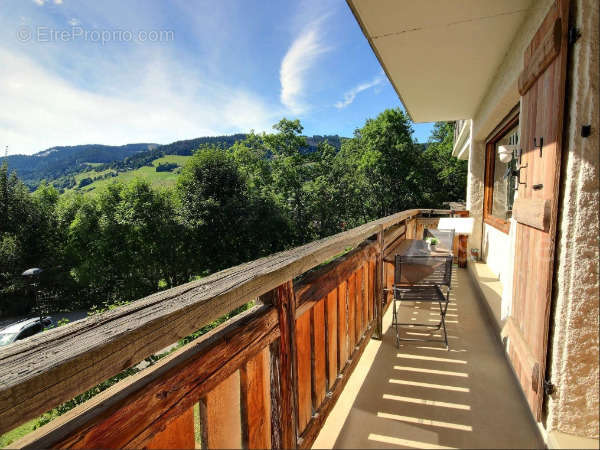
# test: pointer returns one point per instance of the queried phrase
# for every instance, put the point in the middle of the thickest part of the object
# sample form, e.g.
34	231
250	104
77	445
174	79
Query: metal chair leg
443	322
395	323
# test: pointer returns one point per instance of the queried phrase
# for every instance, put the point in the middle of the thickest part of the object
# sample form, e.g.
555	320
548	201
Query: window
500	183
30	331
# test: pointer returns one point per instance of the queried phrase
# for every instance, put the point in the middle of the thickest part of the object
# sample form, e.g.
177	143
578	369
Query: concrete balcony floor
422	396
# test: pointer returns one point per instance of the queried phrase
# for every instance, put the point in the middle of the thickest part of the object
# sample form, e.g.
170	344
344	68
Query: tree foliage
263	194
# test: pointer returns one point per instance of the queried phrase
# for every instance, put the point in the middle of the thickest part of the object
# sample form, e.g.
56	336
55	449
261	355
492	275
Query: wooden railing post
379	285
283	418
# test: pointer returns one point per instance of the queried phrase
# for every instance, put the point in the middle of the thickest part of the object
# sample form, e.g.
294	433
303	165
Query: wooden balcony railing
266	378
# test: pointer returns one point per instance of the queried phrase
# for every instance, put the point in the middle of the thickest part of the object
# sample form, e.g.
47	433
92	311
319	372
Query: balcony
422	396
301	364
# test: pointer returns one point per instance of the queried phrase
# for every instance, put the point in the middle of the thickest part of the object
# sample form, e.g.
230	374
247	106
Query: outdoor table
414	273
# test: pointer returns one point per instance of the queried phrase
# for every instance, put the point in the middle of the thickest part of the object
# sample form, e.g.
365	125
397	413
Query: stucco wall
574	342
495	251
498	251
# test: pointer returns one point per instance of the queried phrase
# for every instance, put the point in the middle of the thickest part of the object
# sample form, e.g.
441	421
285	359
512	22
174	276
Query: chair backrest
446	237
423	270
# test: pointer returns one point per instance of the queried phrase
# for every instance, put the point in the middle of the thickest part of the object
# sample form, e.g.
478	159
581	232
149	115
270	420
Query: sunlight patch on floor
442	349
429	385
404	442
432	371
422	401
421	421
430	358
428	334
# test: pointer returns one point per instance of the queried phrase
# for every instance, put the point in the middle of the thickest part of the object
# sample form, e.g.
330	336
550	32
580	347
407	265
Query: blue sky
115	72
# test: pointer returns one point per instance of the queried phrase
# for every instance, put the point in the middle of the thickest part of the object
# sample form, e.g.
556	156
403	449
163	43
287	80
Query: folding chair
422	279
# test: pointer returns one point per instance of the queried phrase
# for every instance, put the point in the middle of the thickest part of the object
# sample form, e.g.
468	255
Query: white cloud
352	93
295	67
159	102
42	2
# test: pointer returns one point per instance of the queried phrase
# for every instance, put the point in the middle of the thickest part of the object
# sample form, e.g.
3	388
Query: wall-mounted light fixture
506	152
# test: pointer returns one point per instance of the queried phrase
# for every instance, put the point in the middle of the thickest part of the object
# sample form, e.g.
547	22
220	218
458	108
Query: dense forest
262	194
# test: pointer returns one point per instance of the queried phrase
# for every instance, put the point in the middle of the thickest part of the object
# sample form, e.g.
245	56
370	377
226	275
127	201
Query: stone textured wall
475	193
574	342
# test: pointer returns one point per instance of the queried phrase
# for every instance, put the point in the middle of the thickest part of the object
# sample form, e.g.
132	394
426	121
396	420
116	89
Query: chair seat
416	293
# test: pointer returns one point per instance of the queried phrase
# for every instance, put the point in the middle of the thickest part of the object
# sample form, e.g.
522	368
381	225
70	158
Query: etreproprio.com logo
43	34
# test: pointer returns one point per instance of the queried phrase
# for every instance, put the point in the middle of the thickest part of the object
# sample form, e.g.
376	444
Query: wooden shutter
542	87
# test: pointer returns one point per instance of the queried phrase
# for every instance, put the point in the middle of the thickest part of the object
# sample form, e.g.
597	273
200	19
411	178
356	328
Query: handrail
41	372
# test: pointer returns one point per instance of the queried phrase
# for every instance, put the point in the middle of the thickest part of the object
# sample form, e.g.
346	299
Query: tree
214	205
324	194
449	180
289	172
265	193
254	162
28	237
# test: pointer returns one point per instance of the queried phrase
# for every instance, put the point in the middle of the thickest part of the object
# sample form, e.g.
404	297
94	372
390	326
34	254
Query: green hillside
158	179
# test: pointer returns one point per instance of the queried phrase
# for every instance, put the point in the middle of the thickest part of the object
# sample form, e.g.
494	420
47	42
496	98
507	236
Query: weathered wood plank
318	283
220	417
89	351
365	294
359	304
461	252
342	328
178	434
283	380
542	57
379	285
276	396
511	331
533	212
255	400
303	364
389	281
317	336
310	434
331	315
371	288
352	313
131	412
393	233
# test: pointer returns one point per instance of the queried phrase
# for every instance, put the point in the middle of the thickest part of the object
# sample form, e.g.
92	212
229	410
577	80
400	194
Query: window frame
511	120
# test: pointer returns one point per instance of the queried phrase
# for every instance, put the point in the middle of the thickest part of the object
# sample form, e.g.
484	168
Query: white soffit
440	55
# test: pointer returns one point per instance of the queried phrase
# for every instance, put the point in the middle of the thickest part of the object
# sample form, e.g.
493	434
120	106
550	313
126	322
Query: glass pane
504	183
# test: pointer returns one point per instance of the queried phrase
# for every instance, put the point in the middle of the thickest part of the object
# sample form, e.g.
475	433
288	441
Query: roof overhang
440	55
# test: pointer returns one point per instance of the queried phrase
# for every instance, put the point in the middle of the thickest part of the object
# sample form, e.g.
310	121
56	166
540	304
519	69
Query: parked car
23	329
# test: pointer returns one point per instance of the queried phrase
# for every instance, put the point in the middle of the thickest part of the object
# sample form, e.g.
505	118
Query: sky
115	72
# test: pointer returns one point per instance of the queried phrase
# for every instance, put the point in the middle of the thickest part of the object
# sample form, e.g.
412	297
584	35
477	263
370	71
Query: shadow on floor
420	395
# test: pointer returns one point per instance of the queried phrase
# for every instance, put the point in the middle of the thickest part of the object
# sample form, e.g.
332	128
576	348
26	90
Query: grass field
157	179
16	434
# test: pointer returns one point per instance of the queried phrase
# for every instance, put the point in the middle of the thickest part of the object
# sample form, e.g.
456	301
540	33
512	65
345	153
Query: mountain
56	162
62	163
